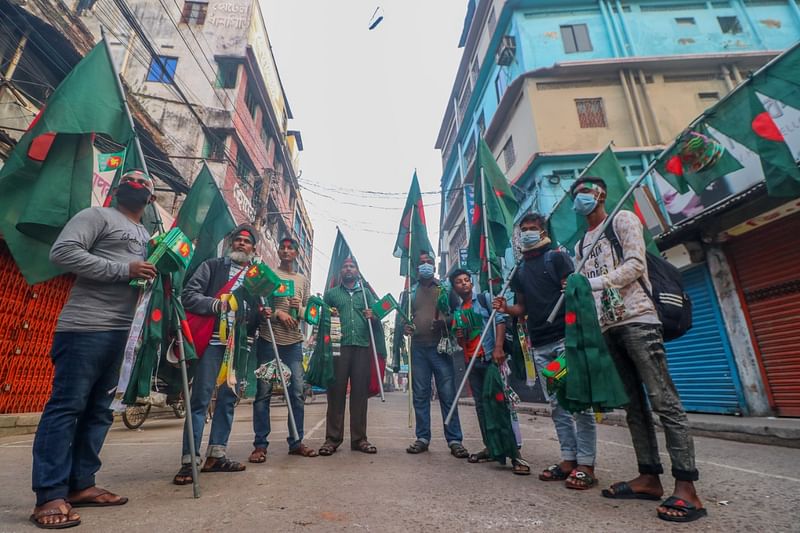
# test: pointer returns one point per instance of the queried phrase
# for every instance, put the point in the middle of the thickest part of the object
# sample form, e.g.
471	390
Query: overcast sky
368	105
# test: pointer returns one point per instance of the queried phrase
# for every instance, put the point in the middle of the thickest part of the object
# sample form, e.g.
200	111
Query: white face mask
529	239
426	270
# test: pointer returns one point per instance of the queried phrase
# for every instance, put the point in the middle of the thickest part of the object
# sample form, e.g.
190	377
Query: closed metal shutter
767	266
701	362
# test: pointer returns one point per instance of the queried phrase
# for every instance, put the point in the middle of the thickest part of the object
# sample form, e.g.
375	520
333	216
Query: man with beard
353	364
105	248
289	340
202	295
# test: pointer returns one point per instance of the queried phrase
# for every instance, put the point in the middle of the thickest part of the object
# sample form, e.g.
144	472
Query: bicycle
135	415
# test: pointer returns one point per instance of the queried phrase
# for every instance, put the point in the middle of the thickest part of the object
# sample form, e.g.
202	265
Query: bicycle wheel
135	415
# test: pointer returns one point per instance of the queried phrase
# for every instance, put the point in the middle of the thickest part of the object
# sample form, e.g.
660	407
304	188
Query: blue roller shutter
701	362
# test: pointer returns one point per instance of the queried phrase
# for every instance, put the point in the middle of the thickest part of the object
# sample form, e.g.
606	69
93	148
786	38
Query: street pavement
746	487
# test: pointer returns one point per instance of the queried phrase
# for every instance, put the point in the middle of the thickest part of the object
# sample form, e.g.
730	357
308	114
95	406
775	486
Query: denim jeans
577	434
292	357
476	378
426	362
76	419
203	385
638	353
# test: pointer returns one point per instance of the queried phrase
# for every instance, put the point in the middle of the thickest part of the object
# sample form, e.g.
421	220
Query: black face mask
132	197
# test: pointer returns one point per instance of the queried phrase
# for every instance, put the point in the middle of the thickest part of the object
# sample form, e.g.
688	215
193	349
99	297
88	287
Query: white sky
368	105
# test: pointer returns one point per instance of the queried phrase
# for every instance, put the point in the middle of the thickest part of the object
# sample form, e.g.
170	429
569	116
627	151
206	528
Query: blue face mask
529	239
426	271
584	203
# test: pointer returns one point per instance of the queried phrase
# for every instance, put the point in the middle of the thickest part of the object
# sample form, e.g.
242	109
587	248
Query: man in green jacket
353	364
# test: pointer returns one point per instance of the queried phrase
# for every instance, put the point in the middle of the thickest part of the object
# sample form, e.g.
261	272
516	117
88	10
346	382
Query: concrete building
215	55
549	84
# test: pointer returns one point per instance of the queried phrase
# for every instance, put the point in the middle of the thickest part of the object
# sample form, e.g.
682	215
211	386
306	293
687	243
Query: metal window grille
194	12
730	25
492	22
591	113
509	155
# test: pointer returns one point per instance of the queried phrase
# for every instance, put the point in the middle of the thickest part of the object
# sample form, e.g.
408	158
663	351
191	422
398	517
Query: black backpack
673	305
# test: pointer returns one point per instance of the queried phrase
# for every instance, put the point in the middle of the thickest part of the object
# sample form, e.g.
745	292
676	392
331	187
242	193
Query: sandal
520	467
580	480
417	446
363	446
553	473
223	464
304	451
184	475
327	449
95	499
480	457
70	519
623	491
258	455
458	451
691	512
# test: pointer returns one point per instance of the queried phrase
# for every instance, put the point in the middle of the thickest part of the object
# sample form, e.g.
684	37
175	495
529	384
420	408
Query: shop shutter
701	362
767	266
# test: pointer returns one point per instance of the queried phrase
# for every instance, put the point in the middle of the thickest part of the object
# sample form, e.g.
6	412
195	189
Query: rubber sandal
364	447
623	491
303	451
520	467
223	464
417	446
61	510
258	455
458	451
327	449
692	513
184	475
480	457
92	500
553	473
585	479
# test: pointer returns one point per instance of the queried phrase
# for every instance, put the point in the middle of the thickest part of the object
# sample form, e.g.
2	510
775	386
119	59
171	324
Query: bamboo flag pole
372	340
408	337
292	423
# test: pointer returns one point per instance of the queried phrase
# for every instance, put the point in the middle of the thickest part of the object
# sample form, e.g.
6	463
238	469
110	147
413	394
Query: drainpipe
609	30
631	111
617	31
128	51
737	76
726	76
637	103
643	81
625	29
750	22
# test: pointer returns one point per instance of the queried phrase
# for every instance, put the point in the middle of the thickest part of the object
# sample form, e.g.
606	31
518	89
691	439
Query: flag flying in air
749	116
131	160
494	202
47	178
412	237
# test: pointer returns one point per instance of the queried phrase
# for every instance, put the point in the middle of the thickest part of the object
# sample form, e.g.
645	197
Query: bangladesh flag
285	289
47	178
566	227
132	160
109	162
679	165
204	218
495	211
260	280
412	237
341	251
384	306
314	308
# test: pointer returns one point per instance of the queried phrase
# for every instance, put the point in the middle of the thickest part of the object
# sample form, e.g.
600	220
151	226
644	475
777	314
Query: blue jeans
577	434
292	357
75	421
426	362
203	384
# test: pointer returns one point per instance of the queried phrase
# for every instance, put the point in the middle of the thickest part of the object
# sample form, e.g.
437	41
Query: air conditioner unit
507	50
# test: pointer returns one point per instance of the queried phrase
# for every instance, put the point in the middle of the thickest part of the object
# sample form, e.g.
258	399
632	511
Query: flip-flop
92	501
556	473
480	457
623	491
61	510
587	480
678	504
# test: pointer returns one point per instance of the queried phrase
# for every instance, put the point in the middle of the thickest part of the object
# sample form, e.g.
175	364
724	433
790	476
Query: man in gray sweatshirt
105	247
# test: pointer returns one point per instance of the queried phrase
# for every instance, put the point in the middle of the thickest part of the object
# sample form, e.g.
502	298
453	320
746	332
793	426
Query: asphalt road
746	487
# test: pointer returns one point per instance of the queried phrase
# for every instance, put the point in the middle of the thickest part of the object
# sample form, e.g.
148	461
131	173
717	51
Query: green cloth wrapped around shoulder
592	381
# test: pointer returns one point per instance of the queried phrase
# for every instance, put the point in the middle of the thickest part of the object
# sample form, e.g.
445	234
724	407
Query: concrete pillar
741	343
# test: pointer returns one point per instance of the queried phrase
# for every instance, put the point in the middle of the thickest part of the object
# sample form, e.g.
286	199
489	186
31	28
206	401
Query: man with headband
537	286
105	248
285	317
202	296
353	365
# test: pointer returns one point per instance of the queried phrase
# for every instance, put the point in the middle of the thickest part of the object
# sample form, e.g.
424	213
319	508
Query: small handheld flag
260	280
314	308
285	289
109	162
384	306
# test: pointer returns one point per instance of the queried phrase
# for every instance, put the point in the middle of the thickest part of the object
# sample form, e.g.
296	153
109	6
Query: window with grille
244	170
509	155
500	85
194	12
591	113
214	147
251	102
730	25
226	73
482	124
162	69
492	21
475	69
576	38
685	21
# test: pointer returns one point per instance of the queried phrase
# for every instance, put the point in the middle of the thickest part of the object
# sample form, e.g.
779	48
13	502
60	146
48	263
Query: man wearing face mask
105	248
537	286
202	296
632	331
429	327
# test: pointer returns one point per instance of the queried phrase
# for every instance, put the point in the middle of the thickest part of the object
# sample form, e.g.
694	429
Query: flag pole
292	423
372	340
486	235
489	323
408	304
187	399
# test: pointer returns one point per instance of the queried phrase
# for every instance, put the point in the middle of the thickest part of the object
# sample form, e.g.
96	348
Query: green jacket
351	313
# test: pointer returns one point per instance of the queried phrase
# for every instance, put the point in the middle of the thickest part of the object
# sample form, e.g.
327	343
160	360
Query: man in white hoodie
633	333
